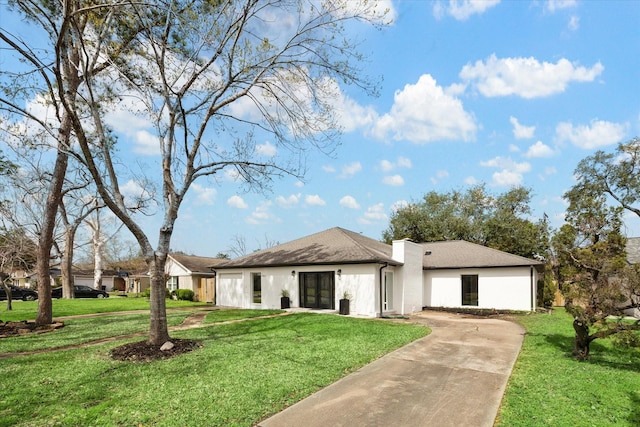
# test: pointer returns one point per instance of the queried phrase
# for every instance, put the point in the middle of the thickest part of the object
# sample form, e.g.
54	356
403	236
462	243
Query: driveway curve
455	376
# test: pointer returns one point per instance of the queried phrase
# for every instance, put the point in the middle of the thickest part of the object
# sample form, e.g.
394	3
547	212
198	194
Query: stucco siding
234	287
498	288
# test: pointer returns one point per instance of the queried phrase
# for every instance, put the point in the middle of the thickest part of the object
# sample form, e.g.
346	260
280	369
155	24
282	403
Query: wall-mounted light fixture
293	273
339	273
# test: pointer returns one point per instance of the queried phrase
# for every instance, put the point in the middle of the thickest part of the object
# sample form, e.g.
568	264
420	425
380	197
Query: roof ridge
370	251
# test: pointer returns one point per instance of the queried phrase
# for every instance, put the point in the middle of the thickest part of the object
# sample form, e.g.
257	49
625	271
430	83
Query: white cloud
288	202
146	144
521	131
204	195
553	5
350	169
402	162
262	214
574	23
328	169
470	180
314	200
598	133
399	205
267	149
237	202
423	113
510	172
514	148
133	190
526	77
539	149
349	202
373	214
461	10
393	180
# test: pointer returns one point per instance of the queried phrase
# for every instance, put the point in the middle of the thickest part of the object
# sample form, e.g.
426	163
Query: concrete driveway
456	376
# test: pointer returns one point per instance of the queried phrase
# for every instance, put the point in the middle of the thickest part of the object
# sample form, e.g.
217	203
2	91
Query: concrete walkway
456	376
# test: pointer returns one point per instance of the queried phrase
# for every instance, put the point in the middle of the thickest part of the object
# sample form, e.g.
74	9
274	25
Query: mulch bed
12	329
142	351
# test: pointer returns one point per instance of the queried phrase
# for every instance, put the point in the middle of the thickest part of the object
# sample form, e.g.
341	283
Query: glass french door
317	290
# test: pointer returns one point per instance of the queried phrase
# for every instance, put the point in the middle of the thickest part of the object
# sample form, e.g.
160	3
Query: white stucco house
401	278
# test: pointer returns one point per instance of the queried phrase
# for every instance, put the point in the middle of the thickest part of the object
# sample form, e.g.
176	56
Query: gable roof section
332	246
462	254
196	264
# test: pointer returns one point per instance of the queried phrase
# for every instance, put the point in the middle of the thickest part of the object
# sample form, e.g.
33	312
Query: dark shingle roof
197	264
333	246
462	254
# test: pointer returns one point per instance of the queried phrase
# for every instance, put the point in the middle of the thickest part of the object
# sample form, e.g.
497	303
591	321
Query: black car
18	293
80	291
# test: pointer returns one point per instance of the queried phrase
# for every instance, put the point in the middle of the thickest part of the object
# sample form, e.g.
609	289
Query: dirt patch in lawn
143	351
12	329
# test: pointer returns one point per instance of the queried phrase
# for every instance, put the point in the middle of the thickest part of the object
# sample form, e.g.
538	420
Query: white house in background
402	278
192	272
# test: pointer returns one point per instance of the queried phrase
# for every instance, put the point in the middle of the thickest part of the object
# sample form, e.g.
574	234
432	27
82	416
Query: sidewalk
456	376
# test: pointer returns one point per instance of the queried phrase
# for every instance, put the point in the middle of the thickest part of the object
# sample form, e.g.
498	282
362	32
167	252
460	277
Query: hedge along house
318	270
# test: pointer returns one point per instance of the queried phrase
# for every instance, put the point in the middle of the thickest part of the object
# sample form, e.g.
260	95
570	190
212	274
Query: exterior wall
408	289
498	288
234	287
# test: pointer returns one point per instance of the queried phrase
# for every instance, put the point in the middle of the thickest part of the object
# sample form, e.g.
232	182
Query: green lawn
244	372
550	388
26	310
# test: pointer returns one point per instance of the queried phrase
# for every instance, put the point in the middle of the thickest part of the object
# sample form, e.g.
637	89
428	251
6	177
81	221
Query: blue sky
502	93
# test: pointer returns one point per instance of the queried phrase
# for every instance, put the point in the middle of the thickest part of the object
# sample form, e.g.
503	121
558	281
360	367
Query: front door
317	290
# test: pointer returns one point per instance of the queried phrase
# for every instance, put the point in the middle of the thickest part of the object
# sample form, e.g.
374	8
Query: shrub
183	294
627	339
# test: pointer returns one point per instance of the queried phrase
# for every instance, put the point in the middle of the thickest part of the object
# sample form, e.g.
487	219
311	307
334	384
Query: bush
182	294
627	339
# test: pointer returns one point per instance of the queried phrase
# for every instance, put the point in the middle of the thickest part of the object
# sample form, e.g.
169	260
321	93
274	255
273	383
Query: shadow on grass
634	415
601	355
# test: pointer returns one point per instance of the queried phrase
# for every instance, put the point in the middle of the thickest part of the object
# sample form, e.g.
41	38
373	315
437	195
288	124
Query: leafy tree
597	282
192	70
500	222
615	174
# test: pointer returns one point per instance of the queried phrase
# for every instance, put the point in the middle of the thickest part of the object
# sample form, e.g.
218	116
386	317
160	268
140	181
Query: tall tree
615	174
597	282
500	222
212	78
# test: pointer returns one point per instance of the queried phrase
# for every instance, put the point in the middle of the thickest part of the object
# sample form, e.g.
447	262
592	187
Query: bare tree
212	78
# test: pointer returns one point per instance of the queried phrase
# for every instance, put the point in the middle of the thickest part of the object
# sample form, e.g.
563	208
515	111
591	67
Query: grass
550	388
244	372
26	310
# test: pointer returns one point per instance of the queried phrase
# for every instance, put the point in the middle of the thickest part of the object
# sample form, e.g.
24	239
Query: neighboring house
193	272
318	270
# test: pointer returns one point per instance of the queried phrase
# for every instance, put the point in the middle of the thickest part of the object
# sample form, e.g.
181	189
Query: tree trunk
582	340
45	241
158	327
7	290
65	265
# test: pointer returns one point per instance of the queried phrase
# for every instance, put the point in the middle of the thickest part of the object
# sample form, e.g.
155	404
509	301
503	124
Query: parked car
18	293
80	291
